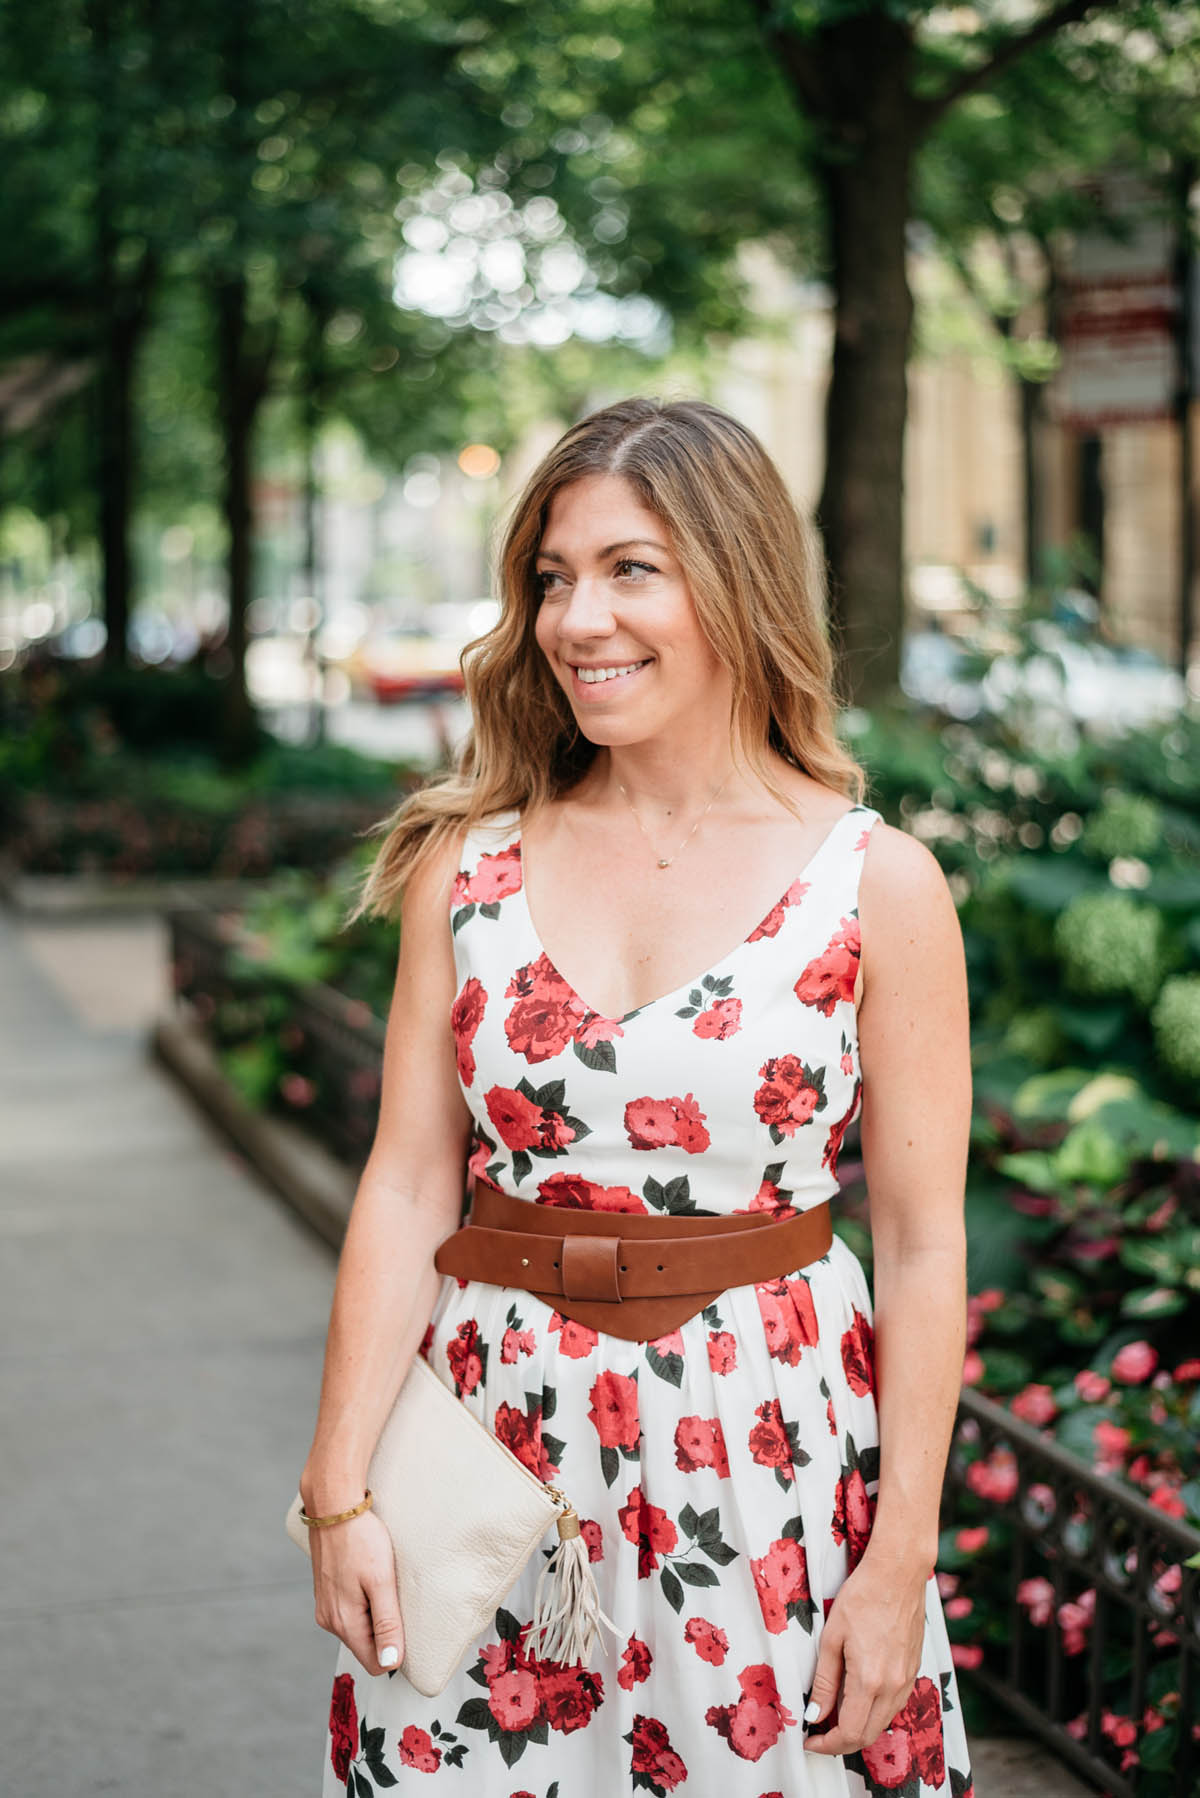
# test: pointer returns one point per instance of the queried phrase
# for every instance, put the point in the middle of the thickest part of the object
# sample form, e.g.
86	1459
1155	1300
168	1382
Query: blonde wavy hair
752	569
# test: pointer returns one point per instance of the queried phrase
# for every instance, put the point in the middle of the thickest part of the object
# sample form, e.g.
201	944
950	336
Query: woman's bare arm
915	1124
408	1200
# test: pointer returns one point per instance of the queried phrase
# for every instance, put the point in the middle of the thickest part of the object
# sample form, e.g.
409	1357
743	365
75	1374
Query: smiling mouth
601	676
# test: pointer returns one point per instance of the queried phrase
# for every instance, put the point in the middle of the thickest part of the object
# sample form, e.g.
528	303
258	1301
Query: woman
654	787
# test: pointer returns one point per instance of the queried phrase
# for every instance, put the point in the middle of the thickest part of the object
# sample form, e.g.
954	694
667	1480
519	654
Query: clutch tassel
566	1605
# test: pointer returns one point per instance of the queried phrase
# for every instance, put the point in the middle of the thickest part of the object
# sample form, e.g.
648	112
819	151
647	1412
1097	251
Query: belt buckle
589	1268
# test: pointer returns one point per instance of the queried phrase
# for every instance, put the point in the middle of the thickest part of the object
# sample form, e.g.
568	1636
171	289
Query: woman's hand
354	1581
869	1656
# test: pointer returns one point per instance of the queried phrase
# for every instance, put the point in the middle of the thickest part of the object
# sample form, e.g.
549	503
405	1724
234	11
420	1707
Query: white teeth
589	675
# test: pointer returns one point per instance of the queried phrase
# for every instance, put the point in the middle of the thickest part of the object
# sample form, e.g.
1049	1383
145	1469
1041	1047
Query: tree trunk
242	385
1029	393
861	510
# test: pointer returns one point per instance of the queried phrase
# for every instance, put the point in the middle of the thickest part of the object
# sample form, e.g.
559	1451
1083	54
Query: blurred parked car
1084	679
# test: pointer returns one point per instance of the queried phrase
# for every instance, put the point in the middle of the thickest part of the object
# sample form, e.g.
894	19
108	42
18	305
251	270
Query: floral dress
725	1473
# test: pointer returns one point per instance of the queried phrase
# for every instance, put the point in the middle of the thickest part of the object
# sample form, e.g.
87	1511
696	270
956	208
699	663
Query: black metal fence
1089	1611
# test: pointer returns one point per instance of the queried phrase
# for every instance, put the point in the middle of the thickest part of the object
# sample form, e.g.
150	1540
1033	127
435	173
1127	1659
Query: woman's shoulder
904	898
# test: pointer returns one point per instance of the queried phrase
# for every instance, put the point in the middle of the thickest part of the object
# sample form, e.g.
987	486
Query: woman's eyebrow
552	555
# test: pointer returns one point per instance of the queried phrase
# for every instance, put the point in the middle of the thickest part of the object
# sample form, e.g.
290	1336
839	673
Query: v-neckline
705	973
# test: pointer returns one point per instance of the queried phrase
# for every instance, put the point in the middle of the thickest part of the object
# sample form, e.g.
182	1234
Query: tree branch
801	68
1068	12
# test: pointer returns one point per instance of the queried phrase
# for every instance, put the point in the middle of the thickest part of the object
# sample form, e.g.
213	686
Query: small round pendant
663	864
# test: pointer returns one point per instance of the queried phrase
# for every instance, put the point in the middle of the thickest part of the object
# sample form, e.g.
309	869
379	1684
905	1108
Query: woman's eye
641	567
543	577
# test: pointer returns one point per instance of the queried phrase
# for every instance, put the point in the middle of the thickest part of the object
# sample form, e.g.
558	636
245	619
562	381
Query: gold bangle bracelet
321	1523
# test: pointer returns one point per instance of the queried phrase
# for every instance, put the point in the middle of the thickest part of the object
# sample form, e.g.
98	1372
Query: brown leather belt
629	1274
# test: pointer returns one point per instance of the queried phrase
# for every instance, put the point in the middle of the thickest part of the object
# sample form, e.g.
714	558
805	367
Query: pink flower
959	1607
1134	1363
970	1541
417	1750
710	1643
514	1343
994	1478
1188	1370
972	1367
1037	1595
1091	1386
1166	1499
966	1654
1034	1405
948	1584
722	1019
1111	1442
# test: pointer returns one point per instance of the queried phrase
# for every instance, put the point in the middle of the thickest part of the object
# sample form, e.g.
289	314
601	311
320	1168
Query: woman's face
616	621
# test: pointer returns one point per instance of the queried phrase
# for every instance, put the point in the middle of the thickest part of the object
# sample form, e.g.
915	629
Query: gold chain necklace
664	861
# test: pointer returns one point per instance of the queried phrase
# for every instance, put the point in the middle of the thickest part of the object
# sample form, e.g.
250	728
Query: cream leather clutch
465	1516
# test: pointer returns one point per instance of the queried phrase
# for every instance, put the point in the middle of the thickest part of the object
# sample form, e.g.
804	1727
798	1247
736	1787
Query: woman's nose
588	612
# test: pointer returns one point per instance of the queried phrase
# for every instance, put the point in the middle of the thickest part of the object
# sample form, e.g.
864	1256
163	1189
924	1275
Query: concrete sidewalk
162	1320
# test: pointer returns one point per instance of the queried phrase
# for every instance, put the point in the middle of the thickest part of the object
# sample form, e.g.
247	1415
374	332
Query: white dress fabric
725	1474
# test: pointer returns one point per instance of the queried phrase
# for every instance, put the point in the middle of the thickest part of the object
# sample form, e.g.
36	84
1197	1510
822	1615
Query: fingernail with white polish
388	1657
813	1712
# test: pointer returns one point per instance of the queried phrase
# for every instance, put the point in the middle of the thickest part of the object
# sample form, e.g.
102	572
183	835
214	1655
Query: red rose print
711	1644
858	1355
722	1019
417	1750
514	1700
547	1012
654	1756
770	1197
830	1419
635	1664
514	1343
343	1726
517	1119
595	1029
614	1410
465	1357
838	1129
466	1015
649	1527
757	1720
780	1578
667	1123
773	922
830	977
787	1098
572	1192
700	1442
590	1530
921	1720
671	1344
521	1432
888	1759
495	877
853	1510
722	1351
769	1444
461	892
574	1340
789	1318
569	1695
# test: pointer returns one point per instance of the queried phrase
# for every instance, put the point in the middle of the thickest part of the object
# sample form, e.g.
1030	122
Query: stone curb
301	1170
52	896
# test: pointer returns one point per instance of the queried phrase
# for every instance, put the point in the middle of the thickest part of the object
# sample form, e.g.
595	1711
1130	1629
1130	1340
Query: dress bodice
730	1093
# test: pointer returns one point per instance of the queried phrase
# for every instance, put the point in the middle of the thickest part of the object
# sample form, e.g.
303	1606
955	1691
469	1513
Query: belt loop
589	1267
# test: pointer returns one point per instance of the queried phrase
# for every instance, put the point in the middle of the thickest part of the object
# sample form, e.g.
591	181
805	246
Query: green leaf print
695	1573
672	1590
602	1058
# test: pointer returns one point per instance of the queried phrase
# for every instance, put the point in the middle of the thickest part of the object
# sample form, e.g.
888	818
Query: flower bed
1074	1603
